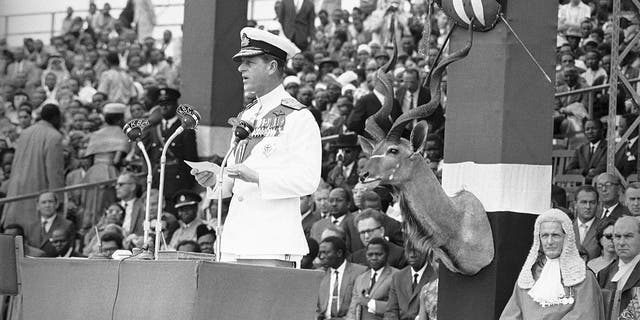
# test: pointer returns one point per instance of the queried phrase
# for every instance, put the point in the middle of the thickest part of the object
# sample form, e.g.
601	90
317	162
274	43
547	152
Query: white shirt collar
624	271
272	99
379	95
419	272
48	220
340	268
632	140
378	272
128	202
170	122
339	218
595	145
588	223
610	208
347	169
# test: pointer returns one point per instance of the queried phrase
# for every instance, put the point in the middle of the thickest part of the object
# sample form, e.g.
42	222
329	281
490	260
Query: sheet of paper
204	166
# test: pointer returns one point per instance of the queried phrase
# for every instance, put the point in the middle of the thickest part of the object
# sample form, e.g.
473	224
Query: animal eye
392	150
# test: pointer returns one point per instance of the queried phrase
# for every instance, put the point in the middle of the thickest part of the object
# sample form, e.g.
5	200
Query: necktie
336	221
583	234
415	282
592	150
605	213
164	128
335	296
411	102
44	226
373	281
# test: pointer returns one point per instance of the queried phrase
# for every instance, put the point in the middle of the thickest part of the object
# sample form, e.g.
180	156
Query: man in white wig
554	282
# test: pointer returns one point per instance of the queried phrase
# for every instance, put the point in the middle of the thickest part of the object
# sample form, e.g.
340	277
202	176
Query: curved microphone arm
163	162
147	215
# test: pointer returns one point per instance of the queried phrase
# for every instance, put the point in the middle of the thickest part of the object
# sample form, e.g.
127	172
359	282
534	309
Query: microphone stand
147	224
163	162
223	165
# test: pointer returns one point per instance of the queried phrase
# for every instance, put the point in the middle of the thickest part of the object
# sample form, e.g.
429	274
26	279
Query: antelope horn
380	122
427	109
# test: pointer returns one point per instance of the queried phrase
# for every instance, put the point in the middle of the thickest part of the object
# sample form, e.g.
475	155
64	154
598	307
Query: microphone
189	117
243	131
133	129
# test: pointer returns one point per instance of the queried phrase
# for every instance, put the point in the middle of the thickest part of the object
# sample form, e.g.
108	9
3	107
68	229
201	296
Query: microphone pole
133	130
242	131
163	162
189	119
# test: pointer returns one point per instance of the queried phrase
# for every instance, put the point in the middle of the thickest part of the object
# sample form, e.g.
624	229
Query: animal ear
366	144
419	136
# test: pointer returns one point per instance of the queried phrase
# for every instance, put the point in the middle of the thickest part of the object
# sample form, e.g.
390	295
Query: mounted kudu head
391	156
456	229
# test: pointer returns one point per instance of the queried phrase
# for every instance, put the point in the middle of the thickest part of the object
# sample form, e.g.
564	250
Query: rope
525	48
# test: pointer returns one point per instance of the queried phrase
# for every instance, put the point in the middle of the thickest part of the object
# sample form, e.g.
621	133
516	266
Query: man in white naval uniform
275	166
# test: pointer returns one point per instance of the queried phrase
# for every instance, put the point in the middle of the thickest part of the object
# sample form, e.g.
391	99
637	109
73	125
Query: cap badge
183	198
244	40
163	92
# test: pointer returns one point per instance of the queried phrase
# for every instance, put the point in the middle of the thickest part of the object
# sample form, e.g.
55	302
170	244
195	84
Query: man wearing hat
274	167
182	148
292	85
345	172
186	203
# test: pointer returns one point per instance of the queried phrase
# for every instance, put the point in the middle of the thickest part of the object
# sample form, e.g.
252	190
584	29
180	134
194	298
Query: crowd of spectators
99	59
64	101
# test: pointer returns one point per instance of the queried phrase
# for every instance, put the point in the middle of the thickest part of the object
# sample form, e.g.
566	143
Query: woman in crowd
605	240
107	146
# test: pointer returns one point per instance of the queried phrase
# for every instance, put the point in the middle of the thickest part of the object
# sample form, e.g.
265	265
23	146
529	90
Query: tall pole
613	88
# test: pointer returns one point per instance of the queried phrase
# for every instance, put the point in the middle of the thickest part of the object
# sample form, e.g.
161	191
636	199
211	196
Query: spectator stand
615	76
560	159
19	22
570	183
66	192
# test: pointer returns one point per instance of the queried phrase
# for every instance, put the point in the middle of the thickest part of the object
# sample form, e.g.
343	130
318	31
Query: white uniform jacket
264	218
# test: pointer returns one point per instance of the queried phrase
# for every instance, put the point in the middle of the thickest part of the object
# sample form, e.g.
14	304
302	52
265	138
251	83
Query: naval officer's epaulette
292	103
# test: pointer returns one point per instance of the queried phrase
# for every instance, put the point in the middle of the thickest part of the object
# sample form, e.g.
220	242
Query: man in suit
370	226
336	287
373	200
411	95
297	18
308	212
134	207
182	148
321	199
626	159
371	289
23	73
345	172
586	225
368	105
590	159
62	242
339	204
623	275
187	203
404	302
609	188
632	198
41	231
